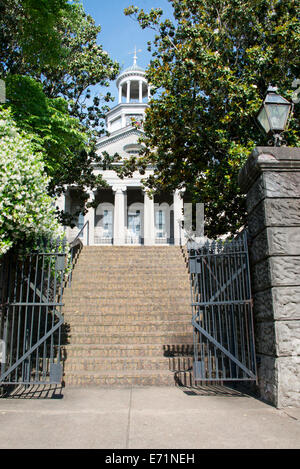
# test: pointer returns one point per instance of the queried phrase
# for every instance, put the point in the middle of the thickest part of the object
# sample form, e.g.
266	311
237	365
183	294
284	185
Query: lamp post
274	114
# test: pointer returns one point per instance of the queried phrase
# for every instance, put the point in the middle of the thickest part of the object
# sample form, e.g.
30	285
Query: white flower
26	208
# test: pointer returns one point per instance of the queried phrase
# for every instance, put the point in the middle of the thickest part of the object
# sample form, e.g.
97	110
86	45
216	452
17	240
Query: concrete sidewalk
145	417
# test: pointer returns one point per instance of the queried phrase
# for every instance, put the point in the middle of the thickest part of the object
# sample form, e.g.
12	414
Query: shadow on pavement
47	391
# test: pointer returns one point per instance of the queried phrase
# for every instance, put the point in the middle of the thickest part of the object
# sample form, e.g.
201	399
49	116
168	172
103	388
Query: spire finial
134	55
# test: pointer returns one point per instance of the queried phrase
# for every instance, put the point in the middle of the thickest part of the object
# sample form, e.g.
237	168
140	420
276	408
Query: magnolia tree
27	212
210	69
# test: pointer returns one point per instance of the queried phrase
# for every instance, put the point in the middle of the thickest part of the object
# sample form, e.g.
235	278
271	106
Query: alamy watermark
190	221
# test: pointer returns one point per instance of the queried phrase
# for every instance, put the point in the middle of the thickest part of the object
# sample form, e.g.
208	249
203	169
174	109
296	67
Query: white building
125	214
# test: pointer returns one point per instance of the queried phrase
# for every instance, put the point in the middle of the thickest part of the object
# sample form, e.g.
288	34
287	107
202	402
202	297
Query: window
160	223
107	223
133	117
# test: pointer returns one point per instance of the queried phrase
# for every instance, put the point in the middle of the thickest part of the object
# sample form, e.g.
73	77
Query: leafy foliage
27	212
28	34
50	60
210	70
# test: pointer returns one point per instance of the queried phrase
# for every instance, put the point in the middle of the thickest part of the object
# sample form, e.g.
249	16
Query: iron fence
31	319
222	311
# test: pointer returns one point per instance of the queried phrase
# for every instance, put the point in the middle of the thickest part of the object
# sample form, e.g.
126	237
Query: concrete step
128	317
132	250
129	378
137	283
164	338
134	296
128	364
127	350
137	327
118	307
133	302
145	284
133	270
77	317
149	256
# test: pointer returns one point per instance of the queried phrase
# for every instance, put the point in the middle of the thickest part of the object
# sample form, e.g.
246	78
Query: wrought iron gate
222	311
30	316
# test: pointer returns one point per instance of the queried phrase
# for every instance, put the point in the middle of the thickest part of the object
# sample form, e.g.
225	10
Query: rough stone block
286	301
257	219
278	338
273	241
278	303
284	184
265	341
279	380
259	248
282	212
267	378
288	381
287	338
255	195
261	275
263	306
284	240
274	185
276	271
274	212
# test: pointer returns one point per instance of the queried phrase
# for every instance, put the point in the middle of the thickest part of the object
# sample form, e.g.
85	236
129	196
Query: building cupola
132	84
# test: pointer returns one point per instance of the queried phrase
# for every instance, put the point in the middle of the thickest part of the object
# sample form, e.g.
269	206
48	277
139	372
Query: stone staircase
128	317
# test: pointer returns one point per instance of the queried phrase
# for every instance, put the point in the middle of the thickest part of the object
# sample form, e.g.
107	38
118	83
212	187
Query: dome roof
133	69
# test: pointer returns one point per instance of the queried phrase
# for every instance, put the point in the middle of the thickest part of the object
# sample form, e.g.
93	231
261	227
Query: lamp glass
278	114
263	120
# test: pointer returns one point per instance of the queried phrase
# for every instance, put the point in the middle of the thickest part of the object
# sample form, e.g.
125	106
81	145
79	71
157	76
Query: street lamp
274	113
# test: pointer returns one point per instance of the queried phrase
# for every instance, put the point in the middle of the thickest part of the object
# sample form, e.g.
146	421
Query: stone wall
271	179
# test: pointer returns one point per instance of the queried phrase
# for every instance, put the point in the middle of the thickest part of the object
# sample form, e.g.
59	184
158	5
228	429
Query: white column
120	94
61	202
178	217
149	94
149	222
128	91
89	232
119	214
140	91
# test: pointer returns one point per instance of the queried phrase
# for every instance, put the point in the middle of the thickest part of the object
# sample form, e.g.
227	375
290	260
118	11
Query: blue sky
120	33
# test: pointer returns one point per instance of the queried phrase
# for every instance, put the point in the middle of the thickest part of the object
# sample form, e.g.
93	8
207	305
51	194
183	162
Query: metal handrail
77	237
75	249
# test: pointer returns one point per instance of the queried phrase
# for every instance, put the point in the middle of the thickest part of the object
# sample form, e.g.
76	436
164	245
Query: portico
127	215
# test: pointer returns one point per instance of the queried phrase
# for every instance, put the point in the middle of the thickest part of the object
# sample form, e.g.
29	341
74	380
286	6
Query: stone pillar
271	179
140	91
149	223
89	232
119	214
128	91
120	94
178	217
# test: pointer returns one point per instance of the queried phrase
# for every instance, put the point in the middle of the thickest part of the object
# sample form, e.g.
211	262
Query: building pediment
117	136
